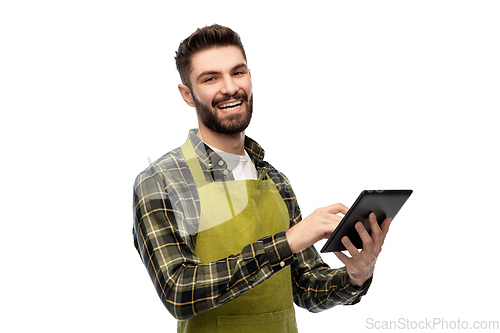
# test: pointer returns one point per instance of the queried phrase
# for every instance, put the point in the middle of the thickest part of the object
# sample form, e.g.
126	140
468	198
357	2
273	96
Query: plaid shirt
166	215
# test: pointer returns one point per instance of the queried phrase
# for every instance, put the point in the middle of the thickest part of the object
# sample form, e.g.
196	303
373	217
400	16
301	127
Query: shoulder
280	180
171	168
257	153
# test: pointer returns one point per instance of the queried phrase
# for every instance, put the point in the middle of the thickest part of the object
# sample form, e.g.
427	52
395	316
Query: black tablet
384	203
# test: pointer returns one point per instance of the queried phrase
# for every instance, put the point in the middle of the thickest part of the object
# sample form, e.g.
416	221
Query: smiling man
219	229
220	88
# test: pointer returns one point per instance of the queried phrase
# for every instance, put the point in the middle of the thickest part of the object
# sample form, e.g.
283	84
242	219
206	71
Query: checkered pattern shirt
166	215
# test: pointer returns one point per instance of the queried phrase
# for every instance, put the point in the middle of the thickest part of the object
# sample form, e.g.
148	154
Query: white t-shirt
241	166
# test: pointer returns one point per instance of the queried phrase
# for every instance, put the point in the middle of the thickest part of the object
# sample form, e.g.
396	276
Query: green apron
233	215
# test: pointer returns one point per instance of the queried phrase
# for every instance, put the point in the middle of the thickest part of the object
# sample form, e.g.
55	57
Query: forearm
317	287
188	287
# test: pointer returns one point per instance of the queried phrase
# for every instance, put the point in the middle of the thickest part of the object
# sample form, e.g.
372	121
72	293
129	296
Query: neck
230	143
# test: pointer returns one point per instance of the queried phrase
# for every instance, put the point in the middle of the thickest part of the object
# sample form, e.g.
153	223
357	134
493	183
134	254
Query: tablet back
384	203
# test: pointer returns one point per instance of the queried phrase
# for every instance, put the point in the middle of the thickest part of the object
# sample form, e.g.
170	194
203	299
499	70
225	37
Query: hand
319	225
361	264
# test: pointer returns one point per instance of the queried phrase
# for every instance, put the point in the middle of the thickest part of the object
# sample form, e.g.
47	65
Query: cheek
248	88
204	96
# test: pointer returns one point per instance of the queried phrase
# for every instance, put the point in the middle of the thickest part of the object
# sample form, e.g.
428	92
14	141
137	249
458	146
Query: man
219	229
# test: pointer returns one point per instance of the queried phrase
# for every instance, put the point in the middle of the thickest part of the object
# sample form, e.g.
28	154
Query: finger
330	222
385	228
365	237
353	251
376	233
342	257
337	208
333	217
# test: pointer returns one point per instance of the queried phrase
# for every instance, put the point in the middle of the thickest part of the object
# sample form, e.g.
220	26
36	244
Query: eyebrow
217	72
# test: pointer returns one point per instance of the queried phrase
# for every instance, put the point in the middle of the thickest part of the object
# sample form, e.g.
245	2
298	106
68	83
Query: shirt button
353	293
210	165
282	264
221	162
225	172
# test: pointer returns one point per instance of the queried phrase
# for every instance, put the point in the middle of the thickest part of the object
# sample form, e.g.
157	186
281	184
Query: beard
229	124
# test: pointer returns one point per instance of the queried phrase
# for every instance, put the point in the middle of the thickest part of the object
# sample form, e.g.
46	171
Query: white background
349	95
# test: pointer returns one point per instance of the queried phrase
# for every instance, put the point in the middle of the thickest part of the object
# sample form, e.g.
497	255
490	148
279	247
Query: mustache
238	95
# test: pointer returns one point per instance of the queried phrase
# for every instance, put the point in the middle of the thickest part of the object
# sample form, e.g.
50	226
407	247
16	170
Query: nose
229	86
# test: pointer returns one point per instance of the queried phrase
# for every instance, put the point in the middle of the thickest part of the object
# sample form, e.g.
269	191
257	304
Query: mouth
230	107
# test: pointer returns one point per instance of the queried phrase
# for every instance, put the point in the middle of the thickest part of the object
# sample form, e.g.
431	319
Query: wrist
355	283
278	251
292	241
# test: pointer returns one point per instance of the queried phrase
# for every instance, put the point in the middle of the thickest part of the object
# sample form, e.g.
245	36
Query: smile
230	107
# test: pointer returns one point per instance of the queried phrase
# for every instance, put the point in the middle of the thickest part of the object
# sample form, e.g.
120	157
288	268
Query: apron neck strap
192	162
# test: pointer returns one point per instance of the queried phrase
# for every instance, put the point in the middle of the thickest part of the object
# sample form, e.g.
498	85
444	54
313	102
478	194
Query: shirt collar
205	153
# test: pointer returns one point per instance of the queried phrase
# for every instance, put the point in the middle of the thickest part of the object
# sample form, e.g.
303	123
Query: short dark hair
203	39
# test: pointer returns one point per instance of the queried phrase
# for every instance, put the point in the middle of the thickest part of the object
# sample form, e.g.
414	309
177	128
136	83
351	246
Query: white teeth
227	105
231	109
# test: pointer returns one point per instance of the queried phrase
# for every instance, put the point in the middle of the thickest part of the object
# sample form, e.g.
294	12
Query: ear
186	94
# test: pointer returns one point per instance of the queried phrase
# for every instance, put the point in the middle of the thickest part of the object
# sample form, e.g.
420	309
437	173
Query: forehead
219	59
